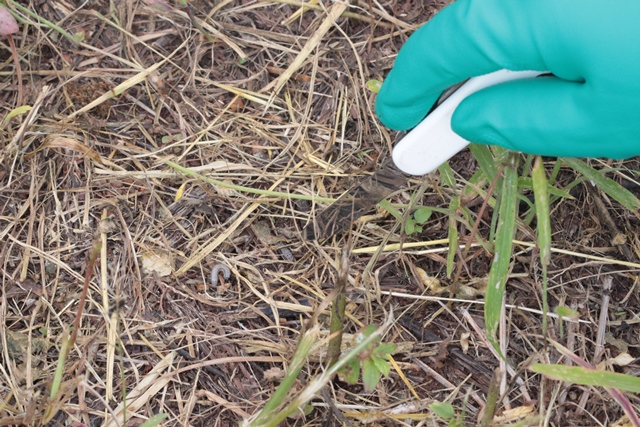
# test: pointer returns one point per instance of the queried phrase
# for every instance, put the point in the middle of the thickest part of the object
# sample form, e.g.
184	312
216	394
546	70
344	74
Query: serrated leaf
442	409
370	375
369	329
422	215
609	186
374	85
383	366
591	377
384	350
351	371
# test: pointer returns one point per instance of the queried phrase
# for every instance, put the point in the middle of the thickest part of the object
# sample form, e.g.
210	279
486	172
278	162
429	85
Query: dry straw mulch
248	95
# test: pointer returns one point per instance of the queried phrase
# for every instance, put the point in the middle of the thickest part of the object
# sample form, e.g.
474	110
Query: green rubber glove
589	108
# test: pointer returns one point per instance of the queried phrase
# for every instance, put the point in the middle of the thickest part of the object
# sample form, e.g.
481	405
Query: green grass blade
453	234
307	340
42	21
503	248
446	175
609	186
556	170
591	377
524	182
540	190
483	156
385	204
475	185
540	187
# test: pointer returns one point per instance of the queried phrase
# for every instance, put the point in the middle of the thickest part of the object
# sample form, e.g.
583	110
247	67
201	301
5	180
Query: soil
77	178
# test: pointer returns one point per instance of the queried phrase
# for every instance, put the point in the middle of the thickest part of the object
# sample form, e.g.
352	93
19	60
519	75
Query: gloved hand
590	107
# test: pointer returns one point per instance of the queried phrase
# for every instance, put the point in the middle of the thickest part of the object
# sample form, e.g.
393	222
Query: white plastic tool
433	142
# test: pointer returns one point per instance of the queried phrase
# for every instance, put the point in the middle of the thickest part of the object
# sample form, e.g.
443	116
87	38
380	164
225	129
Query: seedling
373	361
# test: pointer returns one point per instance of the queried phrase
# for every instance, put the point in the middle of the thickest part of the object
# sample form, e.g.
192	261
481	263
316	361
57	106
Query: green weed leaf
503	248
370	375
382	365
351	371
609	186
374	85
524	182
409	226
446	175
384	350
540	187
422	215
567	312
15	112
368	330
155	420
591	377
442	409
485	159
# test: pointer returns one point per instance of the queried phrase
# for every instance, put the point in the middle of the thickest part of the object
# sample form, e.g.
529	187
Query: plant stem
319	382
337	309
492	400
297	362
541	195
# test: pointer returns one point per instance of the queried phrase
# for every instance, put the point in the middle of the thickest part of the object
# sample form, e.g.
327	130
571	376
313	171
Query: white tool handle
433	142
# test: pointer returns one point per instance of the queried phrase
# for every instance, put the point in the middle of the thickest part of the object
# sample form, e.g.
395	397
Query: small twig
16	59
618	238
602	321
95	251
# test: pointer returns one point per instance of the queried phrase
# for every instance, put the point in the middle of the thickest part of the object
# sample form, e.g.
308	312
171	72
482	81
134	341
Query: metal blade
357	201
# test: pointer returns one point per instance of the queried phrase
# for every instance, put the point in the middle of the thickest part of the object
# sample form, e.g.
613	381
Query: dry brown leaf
273	374
464	342
623	359
158	262
623	422
431	283
69	144
514	414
